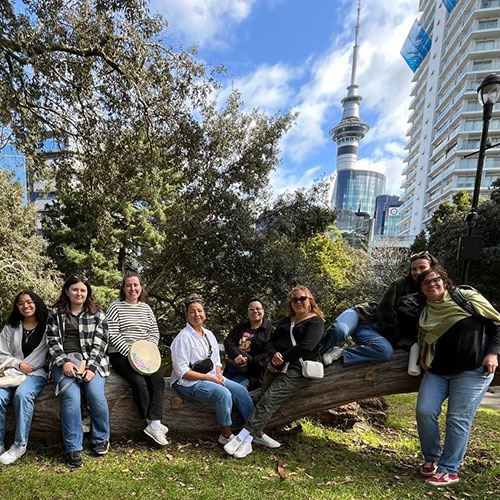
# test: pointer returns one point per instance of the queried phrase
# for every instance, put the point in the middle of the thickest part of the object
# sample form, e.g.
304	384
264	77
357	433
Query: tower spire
355	49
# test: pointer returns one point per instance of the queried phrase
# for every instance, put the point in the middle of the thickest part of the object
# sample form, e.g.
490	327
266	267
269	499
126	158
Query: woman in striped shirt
131	319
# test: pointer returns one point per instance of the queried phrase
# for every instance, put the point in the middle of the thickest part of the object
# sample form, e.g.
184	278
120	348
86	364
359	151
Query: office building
387	215
451	48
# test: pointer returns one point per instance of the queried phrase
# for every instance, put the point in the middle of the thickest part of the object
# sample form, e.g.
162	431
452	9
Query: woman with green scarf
459	353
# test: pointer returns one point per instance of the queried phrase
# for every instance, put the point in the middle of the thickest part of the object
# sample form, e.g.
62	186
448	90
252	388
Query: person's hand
69	369
88	375
218	378
26	367
490	361
405	342
277	359
240	360
271	369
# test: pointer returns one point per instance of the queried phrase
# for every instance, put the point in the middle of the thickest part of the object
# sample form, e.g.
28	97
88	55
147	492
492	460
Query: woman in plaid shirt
77	327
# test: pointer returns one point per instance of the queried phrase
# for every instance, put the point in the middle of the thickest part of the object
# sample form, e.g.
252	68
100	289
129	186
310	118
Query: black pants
147	390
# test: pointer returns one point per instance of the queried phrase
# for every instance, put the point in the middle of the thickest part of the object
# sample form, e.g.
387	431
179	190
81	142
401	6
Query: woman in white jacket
22	345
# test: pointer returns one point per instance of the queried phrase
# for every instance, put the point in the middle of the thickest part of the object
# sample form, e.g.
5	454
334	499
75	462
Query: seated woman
76	329
197	371
284	374
377	328
246	347
131	319
22	345
459	352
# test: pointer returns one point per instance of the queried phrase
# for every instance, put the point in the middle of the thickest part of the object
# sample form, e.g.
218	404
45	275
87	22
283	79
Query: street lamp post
470	246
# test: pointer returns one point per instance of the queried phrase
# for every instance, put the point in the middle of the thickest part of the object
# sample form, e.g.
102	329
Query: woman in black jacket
284	376
246	347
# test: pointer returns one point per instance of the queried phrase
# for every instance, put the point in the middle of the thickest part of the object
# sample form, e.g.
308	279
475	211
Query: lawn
367	461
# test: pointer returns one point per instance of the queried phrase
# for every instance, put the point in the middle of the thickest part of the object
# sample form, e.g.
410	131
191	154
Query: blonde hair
313	306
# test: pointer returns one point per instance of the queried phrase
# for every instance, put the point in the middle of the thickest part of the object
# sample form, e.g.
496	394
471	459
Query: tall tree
23	261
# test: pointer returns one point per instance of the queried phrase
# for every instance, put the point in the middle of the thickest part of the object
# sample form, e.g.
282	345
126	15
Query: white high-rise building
452	47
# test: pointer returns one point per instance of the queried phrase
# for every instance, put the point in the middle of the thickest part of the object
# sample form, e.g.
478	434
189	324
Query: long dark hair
133	274
41	312
421	255
63	304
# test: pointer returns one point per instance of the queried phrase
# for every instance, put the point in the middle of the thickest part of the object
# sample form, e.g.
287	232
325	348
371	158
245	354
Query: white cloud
267	88
289	180
203	21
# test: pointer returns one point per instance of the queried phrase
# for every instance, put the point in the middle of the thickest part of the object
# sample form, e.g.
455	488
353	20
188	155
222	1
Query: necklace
28	334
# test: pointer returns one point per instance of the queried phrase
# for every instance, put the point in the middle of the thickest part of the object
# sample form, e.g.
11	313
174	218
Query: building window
487	25
480	65
485	44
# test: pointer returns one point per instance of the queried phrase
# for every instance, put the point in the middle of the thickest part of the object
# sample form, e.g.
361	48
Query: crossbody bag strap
209	345
292	338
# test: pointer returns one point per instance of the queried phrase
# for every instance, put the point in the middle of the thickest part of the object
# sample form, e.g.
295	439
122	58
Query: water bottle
413	361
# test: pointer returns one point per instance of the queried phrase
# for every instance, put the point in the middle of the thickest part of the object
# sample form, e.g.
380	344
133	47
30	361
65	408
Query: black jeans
147	390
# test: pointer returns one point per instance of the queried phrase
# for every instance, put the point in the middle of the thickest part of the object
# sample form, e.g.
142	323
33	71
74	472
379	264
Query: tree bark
339	386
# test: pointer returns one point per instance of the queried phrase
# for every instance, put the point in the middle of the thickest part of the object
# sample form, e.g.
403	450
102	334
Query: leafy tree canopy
23	262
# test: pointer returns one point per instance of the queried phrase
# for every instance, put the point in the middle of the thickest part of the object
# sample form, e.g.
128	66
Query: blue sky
295	55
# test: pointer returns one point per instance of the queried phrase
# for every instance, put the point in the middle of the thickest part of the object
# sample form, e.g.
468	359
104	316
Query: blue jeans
464	392
242	380
23	400
71	413
370	344
221	396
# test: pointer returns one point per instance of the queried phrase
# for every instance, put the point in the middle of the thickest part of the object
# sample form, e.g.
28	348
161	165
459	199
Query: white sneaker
233	445
244	450
156	434
164	428
266	440
332	355
14	452
224	440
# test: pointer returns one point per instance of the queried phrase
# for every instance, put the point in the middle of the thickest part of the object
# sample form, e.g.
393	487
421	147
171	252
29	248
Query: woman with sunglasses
131	319
376	328
459	353
197	371
246	347
22	351
304	320
77	329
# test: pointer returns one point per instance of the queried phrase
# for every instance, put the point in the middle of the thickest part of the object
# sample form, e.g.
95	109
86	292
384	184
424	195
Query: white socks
244	435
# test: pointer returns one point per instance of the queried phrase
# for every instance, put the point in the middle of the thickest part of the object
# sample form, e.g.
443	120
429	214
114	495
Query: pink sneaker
442	479
429	468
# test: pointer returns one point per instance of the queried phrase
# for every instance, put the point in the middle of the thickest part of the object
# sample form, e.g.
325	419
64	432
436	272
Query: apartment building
451	48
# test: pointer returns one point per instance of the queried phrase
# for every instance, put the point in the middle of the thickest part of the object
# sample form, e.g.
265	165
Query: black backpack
461	300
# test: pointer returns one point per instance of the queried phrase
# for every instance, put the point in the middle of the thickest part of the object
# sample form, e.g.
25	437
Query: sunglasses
79	277
194	300
301	299
420	255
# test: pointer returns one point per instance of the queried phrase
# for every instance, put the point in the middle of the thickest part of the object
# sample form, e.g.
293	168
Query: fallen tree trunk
340	386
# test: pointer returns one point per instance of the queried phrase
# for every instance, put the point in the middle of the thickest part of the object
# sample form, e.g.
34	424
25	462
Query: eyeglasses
301	299
433	281
25	303
420	255
255	309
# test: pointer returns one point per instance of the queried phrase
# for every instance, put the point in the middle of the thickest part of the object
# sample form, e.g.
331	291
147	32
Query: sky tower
354	190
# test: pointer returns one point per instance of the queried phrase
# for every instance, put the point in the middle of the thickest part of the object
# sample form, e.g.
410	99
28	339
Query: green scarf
438	317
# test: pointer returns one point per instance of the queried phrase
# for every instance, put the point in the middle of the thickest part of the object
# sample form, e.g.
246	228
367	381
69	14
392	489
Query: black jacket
257	356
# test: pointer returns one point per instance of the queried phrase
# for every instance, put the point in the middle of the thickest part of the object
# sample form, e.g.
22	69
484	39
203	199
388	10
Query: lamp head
489	90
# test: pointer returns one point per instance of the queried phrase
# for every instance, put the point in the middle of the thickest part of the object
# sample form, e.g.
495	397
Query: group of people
459	347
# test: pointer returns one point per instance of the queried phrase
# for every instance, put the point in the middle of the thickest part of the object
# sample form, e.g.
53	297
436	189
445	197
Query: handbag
64	382
310	369
204	365
10	380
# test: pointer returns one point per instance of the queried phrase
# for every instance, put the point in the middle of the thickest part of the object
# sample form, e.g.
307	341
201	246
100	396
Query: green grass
320	463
